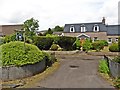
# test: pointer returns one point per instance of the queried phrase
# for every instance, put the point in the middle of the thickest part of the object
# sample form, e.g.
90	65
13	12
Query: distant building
94	31
9	29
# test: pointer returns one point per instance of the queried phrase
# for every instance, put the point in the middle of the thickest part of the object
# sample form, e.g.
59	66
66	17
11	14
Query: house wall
9	29
100	35
113	37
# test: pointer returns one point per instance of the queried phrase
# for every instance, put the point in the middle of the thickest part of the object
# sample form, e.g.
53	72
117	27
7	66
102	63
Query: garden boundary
113	66
14	72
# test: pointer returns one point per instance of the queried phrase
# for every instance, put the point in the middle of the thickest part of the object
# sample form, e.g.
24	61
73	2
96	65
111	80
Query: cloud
58	12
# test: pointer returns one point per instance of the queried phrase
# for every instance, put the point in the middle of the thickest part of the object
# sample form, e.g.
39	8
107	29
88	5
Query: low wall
13	72
63	52
103	53
114	67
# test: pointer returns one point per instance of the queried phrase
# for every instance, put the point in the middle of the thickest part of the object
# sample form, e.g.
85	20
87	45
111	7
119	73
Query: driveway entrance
76	71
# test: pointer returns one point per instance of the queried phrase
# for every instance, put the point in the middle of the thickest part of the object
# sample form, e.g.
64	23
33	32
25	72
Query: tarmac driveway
76	71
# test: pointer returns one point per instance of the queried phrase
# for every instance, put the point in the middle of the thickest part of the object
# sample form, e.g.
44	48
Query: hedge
13	53
44	43
114	47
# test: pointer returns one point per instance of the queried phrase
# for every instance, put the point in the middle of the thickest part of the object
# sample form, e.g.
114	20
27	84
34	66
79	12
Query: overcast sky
58	12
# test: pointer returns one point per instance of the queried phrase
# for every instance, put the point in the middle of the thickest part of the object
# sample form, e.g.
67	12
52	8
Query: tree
77	44
49	31
30	26
58	28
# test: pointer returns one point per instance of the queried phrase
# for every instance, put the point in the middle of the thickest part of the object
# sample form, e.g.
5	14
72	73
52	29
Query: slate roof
110	29
113	30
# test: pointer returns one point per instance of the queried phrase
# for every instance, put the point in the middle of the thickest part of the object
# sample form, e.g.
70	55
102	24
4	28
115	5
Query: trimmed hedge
44	43
13	53
114	47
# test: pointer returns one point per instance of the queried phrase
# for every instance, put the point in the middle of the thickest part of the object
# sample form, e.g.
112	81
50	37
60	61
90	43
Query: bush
44	43
117	59
10	38
50	58
54	47
77	44
2	40
97	45
117	83
103	67
114	47
13	53
104	42
87	45
67	43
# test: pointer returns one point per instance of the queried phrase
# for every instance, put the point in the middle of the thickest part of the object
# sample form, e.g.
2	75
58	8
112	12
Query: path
76	71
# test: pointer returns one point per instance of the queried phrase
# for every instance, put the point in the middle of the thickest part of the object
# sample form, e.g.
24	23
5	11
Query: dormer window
96	28
72	29
83	28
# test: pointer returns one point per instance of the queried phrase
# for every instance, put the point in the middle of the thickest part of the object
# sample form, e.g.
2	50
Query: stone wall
100	35
113	66
13	72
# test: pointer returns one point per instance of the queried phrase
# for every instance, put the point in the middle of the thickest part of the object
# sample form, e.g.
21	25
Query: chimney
103	20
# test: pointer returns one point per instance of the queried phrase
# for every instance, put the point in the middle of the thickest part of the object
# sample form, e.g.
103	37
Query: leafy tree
48	32
58	28
30	26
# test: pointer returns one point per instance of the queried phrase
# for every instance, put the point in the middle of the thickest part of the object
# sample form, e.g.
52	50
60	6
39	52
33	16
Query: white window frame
83	29
116	39
109	39
72	27
95	28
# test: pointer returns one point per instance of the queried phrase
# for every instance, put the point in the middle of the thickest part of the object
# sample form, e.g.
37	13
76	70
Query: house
9	29
94	31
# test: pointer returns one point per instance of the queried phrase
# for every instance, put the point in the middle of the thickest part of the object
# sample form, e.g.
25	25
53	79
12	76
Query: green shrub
13	53
2	40
117	59
77	44
114	47
50	58
87	45
10	38
66	43
28	40
44	43
117	83
54	47
104	42
97	45
103	67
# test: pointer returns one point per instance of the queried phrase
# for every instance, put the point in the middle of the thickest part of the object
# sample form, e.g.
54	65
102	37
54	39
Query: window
109	40
95	39
72	29
96	28
116	40
83	28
